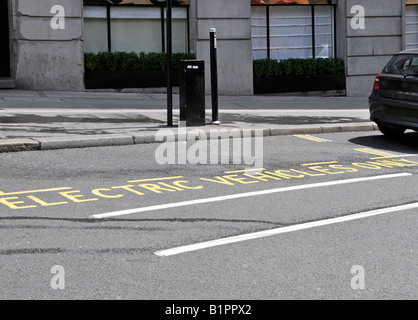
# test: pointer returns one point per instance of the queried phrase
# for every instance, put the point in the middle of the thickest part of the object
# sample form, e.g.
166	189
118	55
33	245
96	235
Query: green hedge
293	66
131	61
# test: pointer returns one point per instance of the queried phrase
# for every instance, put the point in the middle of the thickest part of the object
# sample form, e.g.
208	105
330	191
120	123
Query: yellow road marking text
63	196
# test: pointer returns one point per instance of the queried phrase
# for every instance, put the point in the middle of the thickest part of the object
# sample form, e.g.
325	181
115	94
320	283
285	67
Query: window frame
162	21
334	28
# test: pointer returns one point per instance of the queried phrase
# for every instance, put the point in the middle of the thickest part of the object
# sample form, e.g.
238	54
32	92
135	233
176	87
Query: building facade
42	45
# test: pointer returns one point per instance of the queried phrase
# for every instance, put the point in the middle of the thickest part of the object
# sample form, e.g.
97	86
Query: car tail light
376	85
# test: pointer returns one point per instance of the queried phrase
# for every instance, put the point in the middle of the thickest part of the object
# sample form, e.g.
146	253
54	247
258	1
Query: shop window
133	25
290	32
95	29
259	32
302	30
136	29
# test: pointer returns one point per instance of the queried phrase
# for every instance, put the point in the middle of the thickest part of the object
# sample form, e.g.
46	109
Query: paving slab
45	120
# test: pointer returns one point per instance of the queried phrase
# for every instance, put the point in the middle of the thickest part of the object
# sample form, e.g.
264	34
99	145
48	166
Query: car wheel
391	131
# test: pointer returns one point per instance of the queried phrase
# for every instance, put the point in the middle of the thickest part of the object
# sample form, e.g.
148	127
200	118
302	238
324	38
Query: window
259	32
136	29
133	25
290	32
411	24
402	65
302	30
95	26
324	31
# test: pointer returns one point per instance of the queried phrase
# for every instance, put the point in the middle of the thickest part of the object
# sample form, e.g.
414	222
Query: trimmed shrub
113	61
298	67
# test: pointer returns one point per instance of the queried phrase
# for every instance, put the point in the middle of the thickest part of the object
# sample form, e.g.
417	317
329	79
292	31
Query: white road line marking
243	195
318	163
311	138
273	232
245	170
156	179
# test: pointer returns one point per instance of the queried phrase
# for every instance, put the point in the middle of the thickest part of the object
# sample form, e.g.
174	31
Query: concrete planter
127	79
284	84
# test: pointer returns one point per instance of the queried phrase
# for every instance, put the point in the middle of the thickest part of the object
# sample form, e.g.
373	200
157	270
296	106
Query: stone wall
369	49
44	58
232	20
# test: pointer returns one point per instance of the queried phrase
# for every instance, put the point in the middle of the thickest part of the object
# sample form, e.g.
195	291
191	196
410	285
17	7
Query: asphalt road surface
330	216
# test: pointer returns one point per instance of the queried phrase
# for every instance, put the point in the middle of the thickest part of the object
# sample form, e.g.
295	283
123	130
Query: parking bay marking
244	195
272	232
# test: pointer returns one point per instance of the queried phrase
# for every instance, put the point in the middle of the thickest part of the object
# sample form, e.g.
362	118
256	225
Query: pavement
47	120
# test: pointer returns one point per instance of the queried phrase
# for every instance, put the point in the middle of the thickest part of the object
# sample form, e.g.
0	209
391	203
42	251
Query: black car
393	102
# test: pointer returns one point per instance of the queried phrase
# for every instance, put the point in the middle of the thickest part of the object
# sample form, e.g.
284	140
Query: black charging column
192	92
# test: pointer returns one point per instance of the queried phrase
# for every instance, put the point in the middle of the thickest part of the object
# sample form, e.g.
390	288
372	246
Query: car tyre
391	131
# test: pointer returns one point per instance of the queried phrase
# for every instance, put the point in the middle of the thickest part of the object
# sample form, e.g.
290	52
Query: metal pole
169	65
162	29
109	29
214	76
268	31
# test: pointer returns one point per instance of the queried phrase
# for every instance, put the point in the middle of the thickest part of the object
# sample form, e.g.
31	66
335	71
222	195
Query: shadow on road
406	143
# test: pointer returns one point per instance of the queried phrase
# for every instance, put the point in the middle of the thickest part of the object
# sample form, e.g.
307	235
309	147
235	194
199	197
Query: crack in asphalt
111	228
30	251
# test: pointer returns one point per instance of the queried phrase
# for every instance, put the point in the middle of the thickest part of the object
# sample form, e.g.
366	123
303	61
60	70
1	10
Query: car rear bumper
391	112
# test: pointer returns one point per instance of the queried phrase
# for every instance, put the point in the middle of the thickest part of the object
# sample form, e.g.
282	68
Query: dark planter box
285	84
128	79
